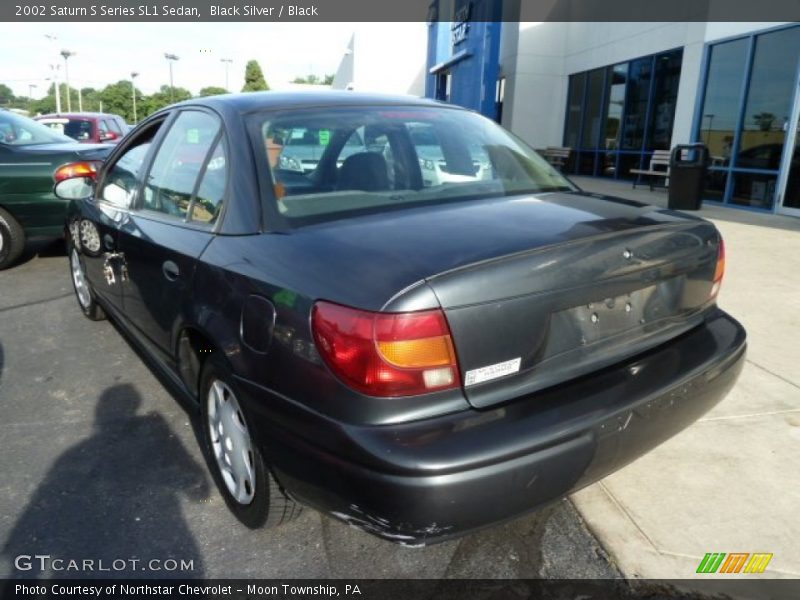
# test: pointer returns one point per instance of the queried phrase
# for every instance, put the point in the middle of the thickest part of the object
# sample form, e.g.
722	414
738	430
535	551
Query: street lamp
134	75
171	58
55	68
66	54
227	62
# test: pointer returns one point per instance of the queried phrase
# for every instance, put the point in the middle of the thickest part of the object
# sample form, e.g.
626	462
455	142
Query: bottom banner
405	589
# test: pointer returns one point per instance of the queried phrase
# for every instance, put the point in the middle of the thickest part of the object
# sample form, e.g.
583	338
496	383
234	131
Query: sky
108	52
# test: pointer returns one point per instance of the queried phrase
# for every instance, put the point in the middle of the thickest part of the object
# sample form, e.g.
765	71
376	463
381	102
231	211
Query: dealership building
614	93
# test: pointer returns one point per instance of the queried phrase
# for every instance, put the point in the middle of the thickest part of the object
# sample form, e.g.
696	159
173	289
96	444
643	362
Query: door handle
170	270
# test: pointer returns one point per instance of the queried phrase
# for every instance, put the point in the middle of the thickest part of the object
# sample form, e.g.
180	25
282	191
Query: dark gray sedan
419	356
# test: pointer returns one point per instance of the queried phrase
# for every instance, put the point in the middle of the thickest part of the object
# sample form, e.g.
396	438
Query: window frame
162	119
153	215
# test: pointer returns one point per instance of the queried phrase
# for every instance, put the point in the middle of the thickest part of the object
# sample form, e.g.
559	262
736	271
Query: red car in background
87	127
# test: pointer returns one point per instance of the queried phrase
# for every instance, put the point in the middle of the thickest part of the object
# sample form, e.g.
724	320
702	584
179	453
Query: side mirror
76	188
108	135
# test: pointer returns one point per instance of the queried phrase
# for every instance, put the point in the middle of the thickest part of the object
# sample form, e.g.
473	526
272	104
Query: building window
617	115
745	114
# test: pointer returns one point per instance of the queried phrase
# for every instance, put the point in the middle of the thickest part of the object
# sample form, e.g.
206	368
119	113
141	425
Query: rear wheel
239	469
83	289
12	240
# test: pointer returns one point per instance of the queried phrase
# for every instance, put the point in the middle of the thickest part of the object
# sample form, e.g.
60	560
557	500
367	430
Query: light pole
171	58
55	68
134	75
227	62
66	54
31	87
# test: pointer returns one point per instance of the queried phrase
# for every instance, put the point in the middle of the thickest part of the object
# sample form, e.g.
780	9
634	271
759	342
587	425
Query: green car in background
30	153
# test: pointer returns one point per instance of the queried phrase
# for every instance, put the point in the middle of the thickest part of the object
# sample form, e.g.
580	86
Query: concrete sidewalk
731	482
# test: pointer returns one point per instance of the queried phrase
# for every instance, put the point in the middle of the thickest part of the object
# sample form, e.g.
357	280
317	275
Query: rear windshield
328	163
16	130
77	129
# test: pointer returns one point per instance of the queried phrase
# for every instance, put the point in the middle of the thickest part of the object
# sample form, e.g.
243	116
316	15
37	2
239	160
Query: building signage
461	23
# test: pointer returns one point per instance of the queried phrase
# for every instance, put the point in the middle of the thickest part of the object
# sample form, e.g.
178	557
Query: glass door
789	182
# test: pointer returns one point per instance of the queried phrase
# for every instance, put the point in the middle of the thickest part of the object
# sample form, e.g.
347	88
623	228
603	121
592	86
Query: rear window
77	129
330	163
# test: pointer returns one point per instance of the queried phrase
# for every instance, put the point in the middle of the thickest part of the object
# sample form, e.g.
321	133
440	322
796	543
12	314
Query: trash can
688	166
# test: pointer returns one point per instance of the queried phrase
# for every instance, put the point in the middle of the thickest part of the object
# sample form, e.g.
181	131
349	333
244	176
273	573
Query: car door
175	216
109	210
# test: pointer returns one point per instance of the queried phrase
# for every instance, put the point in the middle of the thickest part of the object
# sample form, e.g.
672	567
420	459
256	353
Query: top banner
400	10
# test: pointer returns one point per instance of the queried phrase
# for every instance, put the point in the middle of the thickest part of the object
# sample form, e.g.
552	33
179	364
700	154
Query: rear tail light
719	271
85	168
386	354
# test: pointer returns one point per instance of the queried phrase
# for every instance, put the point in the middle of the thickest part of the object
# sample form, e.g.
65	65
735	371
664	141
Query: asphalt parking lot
101	462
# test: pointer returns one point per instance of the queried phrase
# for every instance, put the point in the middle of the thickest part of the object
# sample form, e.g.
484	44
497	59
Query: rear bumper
430	480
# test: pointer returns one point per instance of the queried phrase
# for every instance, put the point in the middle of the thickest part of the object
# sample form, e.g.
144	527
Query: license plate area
612	316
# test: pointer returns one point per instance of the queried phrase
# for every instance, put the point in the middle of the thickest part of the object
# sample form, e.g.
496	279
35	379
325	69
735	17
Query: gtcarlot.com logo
735	562
45	562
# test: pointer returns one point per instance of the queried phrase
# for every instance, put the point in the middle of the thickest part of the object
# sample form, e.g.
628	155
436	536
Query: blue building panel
464	54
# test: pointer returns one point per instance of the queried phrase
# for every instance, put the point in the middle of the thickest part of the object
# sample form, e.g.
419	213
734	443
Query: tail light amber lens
386	354
719	271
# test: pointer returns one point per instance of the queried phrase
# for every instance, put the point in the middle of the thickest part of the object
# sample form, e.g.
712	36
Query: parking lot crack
35	302
628	515
774	374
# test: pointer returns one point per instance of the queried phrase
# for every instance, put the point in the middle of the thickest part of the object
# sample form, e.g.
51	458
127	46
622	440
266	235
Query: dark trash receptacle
688	165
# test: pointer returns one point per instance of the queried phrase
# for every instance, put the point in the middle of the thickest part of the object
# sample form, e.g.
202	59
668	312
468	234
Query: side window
102	126
178	163
113	126
445	160
123	178
207	203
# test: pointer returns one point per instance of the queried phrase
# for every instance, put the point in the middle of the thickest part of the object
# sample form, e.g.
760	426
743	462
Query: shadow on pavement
115	496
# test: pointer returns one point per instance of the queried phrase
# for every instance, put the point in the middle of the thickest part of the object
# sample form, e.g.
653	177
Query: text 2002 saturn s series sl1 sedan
430	332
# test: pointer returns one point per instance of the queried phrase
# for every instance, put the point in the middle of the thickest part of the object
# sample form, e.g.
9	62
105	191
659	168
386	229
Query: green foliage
314	80
212	90
161	98
6	95
254	78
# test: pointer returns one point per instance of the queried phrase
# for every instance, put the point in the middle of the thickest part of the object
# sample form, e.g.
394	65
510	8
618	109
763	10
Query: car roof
77	115
254	101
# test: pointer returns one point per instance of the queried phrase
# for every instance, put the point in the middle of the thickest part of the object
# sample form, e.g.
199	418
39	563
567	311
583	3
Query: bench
659	167
557	157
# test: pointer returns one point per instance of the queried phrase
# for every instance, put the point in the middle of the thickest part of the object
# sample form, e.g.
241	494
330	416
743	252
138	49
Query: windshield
16	130
327	163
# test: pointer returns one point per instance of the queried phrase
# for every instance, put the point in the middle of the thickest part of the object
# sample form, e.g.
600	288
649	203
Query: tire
258	504
12	240
84	294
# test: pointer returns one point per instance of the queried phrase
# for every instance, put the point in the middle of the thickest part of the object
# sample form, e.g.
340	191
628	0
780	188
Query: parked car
87	127
30	154
416	360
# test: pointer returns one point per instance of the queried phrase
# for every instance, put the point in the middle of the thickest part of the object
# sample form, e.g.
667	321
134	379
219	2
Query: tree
764	120
314	80
117	98
254	78
6	95
160	99
213	90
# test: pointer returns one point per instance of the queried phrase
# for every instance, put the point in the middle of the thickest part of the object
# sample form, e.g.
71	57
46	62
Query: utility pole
227	62
171	58
134	75
66	54
55	68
